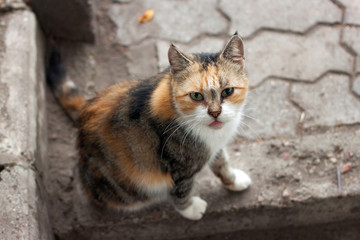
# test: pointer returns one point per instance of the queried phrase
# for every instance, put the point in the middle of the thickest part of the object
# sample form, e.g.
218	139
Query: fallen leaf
146	17
346	167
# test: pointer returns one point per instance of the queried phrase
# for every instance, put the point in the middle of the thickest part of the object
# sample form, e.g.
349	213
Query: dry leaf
146	17
346	167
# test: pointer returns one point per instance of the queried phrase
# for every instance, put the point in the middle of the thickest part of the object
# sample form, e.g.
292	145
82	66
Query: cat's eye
227	92
196	96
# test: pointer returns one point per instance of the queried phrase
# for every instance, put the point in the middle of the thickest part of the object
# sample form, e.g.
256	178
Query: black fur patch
207	59
55	71
140	97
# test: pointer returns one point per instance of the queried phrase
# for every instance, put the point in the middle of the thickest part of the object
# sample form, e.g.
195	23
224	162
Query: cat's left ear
178	60
234	51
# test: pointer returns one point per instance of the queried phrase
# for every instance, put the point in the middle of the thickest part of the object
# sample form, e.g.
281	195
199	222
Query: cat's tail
61	85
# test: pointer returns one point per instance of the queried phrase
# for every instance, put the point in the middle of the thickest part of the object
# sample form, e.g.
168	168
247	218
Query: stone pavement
303	113
302	124
302	57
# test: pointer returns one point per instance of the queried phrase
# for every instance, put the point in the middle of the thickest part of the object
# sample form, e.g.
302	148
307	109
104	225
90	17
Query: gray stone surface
352	11
19	85
22	129
206	44
18	203
327	102
356	85
169	20
268	112
351	37
295	56
10	5
142	60
311	195
249	16
66	19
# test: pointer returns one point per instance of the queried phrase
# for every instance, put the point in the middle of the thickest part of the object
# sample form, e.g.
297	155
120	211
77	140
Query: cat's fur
144	141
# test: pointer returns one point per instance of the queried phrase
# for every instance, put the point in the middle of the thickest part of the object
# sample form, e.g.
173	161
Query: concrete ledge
22	128
296	185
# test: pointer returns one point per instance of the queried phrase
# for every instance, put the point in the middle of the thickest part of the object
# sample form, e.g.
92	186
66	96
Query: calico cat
141	142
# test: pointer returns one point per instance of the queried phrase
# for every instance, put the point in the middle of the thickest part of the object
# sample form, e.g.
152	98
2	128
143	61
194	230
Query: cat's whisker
178	127
162	150
242	131
250	117
178	121
186	134
249	128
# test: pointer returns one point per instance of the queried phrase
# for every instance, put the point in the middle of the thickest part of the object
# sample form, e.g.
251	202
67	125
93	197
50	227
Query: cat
141	142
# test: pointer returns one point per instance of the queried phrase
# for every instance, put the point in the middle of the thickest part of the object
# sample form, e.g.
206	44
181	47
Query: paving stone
351	37
352	11
327	102
295	56
207	44
142	60
174	26
356	85
269	112
249	16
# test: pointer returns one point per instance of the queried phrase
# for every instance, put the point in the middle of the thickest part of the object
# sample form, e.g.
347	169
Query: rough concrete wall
65	19
23	213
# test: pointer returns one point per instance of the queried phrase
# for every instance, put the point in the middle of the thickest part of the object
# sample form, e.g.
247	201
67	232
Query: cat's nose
214	113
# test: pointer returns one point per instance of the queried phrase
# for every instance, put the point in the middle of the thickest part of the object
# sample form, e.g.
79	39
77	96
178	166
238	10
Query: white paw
196	209
242	181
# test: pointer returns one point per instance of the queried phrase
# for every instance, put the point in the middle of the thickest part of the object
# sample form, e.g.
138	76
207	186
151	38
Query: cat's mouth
216	124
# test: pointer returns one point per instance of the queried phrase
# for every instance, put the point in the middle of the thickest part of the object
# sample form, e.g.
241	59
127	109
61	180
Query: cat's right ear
234	51
178	60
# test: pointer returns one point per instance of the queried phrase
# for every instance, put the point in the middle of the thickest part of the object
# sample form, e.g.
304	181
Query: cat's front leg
190	207
232	178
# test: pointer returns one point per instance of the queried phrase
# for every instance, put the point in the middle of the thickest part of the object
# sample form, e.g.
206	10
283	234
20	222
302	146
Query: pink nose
214	114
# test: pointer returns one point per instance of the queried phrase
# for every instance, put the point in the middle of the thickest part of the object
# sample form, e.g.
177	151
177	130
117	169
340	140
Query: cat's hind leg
232	178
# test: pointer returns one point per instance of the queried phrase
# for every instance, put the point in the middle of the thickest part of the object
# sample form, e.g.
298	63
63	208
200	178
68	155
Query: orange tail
63	88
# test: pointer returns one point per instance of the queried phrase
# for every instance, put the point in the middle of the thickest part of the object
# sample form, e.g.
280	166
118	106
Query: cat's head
209	89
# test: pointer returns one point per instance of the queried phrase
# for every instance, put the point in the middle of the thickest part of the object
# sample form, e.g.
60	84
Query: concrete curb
22	128
287	194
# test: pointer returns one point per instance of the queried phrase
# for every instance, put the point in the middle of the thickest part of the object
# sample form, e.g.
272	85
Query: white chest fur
217	139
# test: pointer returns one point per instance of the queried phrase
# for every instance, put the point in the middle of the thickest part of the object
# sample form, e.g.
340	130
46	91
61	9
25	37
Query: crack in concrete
6	8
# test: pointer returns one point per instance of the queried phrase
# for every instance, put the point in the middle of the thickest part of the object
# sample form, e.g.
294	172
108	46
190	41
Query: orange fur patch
239	95
149	174
103	106
72	103
186	105
161	102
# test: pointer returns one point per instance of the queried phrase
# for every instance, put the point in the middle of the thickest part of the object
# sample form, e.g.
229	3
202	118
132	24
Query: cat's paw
241	182
196	209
